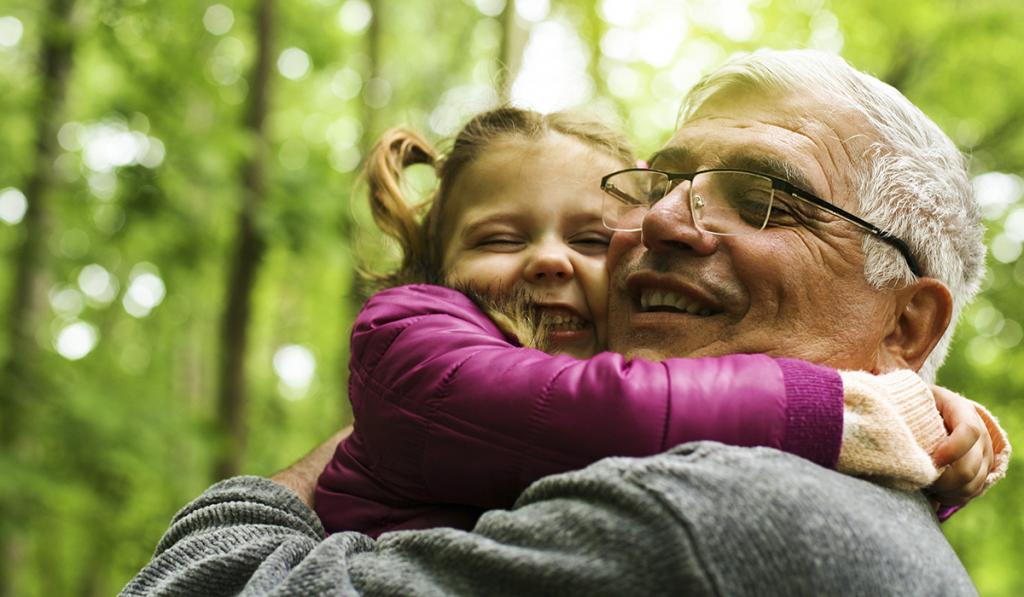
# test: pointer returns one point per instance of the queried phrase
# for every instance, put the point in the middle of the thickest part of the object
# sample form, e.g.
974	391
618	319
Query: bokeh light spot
346	83
619	12
554	72
76	340
218	19
97	283
344	132
491	8
533	11
13	205
11	30
1005	249
145	291
345	159
1011	334
995	191
355	16
295	367
293	63
66	302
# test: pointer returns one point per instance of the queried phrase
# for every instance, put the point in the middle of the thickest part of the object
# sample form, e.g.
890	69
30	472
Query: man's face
790	290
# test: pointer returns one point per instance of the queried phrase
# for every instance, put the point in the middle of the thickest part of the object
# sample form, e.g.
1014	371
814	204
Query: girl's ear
923	312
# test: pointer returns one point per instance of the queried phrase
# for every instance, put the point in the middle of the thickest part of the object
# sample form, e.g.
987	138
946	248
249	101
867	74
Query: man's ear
922	314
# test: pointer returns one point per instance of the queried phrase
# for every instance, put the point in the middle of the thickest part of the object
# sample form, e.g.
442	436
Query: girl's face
529	211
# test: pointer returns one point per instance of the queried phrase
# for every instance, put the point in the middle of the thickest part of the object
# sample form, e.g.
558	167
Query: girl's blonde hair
420	237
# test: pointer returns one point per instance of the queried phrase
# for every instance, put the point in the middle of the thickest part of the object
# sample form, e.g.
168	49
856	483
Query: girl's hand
966	452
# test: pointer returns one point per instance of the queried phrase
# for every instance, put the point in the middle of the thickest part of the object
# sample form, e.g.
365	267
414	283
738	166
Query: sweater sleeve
250	536
890	430
448	410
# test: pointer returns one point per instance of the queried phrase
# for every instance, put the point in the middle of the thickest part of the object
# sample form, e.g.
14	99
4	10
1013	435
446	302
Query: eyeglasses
724	202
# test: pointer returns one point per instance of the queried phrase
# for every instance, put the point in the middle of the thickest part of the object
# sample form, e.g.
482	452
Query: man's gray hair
911	181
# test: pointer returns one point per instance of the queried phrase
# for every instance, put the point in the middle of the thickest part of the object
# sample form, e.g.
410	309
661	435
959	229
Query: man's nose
669	225
547	265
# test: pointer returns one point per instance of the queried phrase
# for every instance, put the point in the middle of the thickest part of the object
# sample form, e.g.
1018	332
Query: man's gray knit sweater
702	519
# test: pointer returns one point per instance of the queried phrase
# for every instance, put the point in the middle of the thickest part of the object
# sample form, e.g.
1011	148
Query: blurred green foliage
146	185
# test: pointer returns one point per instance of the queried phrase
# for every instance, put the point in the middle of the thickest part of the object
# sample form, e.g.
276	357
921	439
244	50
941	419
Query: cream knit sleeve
891	426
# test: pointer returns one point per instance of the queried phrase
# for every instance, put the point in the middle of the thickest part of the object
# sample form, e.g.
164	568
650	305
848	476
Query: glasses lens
628	196
731	203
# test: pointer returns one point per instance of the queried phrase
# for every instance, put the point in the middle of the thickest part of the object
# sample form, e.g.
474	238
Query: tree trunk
357	288
513	40
248	254
28	287
593	31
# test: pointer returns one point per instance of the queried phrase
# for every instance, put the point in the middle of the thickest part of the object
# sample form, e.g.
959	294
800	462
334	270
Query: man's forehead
807	139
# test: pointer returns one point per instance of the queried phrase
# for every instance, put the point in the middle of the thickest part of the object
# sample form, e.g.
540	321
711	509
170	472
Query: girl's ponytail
396	216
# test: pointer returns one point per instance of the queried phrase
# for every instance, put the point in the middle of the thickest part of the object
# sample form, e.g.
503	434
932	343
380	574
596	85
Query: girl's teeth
566	322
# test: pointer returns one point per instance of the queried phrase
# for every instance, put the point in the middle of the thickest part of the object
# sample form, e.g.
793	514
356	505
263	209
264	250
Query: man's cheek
621	244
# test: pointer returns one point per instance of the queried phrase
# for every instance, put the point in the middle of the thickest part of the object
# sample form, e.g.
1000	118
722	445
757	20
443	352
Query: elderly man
858	244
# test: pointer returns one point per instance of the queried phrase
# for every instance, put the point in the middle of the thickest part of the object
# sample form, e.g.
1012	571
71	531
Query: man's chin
649	346
661	336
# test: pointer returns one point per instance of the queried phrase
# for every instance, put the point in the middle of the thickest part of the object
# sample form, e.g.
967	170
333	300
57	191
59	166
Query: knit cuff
891	430
914	402
242	500
814	411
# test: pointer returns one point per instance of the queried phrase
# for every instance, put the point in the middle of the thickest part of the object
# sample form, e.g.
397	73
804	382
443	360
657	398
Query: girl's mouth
564	327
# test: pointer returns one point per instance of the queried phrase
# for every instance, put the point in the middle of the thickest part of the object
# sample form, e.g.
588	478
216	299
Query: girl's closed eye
590	243
501	242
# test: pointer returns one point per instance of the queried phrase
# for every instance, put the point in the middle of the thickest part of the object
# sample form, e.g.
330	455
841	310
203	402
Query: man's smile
651	292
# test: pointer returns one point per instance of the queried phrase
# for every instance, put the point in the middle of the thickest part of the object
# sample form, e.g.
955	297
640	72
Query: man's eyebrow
772	166
675	156
681	156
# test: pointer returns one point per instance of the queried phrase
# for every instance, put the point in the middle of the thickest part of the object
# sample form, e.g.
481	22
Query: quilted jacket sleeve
449	410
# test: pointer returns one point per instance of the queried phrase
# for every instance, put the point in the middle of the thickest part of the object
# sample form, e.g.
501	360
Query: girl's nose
548	265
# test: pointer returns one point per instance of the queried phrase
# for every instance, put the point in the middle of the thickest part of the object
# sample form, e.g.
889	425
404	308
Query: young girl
454	416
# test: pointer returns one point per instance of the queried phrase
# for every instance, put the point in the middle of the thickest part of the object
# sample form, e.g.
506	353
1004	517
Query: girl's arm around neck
449	410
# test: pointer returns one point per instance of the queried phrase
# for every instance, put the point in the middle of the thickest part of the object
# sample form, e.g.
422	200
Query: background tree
250	245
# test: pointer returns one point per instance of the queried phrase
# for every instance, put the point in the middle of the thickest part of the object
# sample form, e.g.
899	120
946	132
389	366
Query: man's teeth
653	299
566	322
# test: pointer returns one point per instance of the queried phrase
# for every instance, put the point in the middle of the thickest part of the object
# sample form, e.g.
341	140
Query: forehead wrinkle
840	155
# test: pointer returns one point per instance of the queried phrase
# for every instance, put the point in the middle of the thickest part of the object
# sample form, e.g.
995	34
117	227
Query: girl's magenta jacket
453	418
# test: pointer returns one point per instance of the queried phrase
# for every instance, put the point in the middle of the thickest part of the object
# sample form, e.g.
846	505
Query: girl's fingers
967	453
973	489
986	439
963	479
953	448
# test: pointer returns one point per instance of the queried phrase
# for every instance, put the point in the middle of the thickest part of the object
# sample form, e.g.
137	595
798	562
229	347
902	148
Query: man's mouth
653	300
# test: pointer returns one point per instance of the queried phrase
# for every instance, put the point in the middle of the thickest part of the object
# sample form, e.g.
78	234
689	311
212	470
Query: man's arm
301	477
702	519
